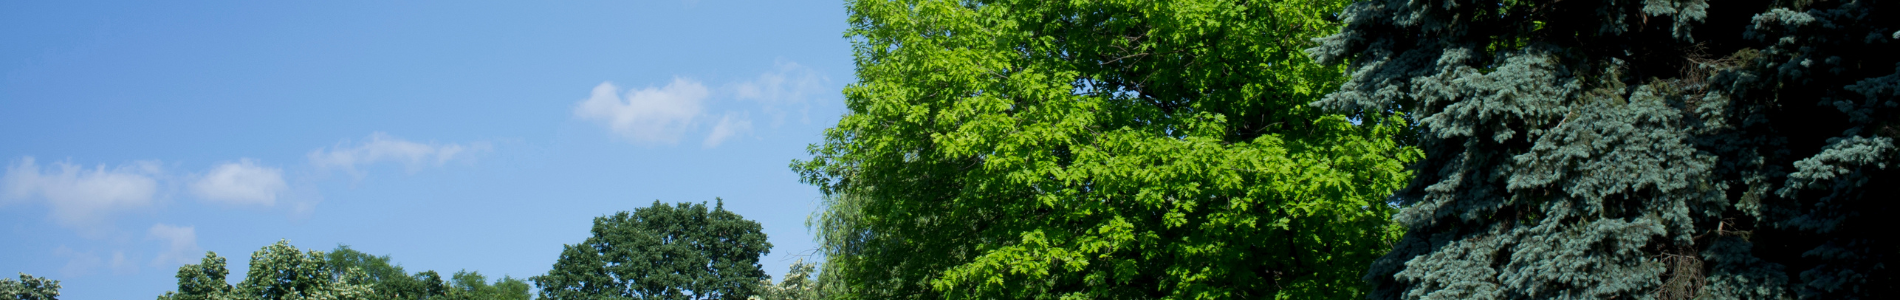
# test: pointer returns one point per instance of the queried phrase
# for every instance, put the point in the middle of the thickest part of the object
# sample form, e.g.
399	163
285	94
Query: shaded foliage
1633	149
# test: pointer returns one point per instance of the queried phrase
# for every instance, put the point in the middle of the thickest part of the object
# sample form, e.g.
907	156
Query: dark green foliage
1633	149
662	252
29	288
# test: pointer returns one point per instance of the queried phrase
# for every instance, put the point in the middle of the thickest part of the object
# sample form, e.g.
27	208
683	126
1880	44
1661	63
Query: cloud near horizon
82	198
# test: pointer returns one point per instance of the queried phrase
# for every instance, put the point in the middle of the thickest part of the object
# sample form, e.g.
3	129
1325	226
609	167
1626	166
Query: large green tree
1099	150
683	251
1634	149
29	288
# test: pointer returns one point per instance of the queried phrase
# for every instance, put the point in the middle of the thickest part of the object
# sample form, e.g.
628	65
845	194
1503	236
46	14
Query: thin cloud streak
382	147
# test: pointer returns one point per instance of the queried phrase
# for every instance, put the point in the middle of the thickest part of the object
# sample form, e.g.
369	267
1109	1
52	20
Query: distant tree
202	281
29	288
341	274
662	252
391	282
472	285
278	272
798	284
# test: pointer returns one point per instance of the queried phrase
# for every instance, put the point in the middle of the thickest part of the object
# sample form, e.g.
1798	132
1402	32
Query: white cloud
657	115
181	244
242	182
381	147
728	127
82	198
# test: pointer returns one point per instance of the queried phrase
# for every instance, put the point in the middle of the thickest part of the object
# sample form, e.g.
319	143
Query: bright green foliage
29	288
1099	150
662	252
1634	149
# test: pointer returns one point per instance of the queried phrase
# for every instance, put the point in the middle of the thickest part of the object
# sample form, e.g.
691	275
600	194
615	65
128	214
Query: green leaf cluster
1100	150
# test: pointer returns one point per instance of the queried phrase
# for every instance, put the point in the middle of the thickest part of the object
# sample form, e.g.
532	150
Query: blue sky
448	135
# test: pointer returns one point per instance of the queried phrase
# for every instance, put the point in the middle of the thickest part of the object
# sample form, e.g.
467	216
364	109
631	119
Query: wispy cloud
729	126
787	87
649	115
80	263
381	147
82	198
181	244
241	182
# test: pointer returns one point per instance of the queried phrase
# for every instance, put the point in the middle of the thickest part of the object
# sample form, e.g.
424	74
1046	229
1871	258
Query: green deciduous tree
1634	149
1099	150
29	288
662	252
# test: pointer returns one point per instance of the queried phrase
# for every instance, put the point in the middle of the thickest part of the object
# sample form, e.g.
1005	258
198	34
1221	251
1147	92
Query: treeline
281	271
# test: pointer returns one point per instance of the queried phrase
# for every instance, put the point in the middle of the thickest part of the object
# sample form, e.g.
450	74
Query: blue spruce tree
1666	149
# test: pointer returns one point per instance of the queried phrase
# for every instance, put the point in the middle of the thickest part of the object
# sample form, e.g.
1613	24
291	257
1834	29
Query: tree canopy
278	271
1099	149
1633	149
29	287
683	251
